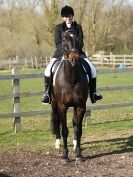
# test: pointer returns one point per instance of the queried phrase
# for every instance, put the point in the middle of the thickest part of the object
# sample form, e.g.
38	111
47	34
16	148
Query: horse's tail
55	122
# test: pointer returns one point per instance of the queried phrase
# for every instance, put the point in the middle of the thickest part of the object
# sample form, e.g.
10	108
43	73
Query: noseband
72	62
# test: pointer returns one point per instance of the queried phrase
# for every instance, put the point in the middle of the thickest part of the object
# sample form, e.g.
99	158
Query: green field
109	129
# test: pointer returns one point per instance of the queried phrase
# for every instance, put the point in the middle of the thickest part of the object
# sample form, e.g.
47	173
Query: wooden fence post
25	63
124	59
46	61
16	100
87	118
9	60
32	63
36	63
132	58
113	61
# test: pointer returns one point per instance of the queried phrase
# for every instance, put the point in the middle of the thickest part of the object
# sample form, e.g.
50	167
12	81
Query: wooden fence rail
15	77
29	94
113	60
102	60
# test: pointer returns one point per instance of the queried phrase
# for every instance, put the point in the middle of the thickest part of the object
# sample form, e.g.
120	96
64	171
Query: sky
130	1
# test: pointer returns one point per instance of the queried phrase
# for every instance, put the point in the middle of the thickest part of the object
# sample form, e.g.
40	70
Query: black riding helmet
67	11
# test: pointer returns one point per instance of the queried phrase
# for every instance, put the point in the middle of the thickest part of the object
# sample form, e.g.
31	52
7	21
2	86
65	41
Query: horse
70	89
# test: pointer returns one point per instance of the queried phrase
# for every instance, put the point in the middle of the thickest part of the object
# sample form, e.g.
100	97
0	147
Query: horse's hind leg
77	124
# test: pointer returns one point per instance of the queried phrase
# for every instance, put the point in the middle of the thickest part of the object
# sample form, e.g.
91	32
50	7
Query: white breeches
93	70
48	68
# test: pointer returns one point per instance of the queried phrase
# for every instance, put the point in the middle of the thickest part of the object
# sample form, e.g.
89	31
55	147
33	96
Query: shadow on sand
4	175
125	145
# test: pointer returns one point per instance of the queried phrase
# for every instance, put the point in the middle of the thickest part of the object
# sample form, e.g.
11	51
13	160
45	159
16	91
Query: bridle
72	62
71	54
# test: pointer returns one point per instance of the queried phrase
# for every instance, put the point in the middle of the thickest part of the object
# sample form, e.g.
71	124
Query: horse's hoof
65	161
79	160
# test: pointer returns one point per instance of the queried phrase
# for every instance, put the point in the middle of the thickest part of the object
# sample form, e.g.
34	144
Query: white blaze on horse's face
71	35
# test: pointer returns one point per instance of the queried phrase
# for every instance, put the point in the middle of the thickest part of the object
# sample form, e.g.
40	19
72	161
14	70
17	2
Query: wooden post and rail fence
111	60
16	77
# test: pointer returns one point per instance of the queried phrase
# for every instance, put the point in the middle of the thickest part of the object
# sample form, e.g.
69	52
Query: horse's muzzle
73	54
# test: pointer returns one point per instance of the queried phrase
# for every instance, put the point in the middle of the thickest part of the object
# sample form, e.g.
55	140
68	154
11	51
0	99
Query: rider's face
68	19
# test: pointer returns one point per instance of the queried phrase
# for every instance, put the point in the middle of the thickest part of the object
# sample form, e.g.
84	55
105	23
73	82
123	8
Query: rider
67	14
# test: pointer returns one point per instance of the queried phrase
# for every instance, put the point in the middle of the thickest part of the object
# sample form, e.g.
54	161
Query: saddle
85	68
54	67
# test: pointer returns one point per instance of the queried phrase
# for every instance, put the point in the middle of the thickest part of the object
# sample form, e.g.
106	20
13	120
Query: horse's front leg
77	124
55	125
62	115
77	137
65	148
58	140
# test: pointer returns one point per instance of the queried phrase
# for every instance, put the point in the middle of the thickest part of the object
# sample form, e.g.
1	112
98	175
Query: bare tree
50	18
102	18
27	27
9	23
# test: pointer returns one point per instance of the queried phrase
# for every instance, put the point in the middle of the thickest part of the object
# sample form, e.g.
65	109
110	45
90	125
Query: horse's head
70	45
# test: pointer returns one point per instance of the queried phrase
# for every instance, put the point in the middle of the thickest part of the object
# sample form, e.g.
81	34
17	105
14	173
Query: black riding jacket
58	38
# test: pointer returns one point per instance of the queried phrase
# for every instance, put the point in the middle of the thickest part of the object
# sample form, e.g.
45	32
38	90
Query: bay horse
70	89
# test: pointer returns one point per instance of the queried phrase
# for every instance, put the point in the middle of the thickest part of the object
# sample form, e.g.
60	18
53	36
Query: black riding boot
93	96
45	97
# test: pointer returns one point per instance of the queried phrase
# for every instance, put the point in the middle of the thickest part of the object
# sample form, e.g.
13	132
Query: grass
115	79
36	134
110	129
